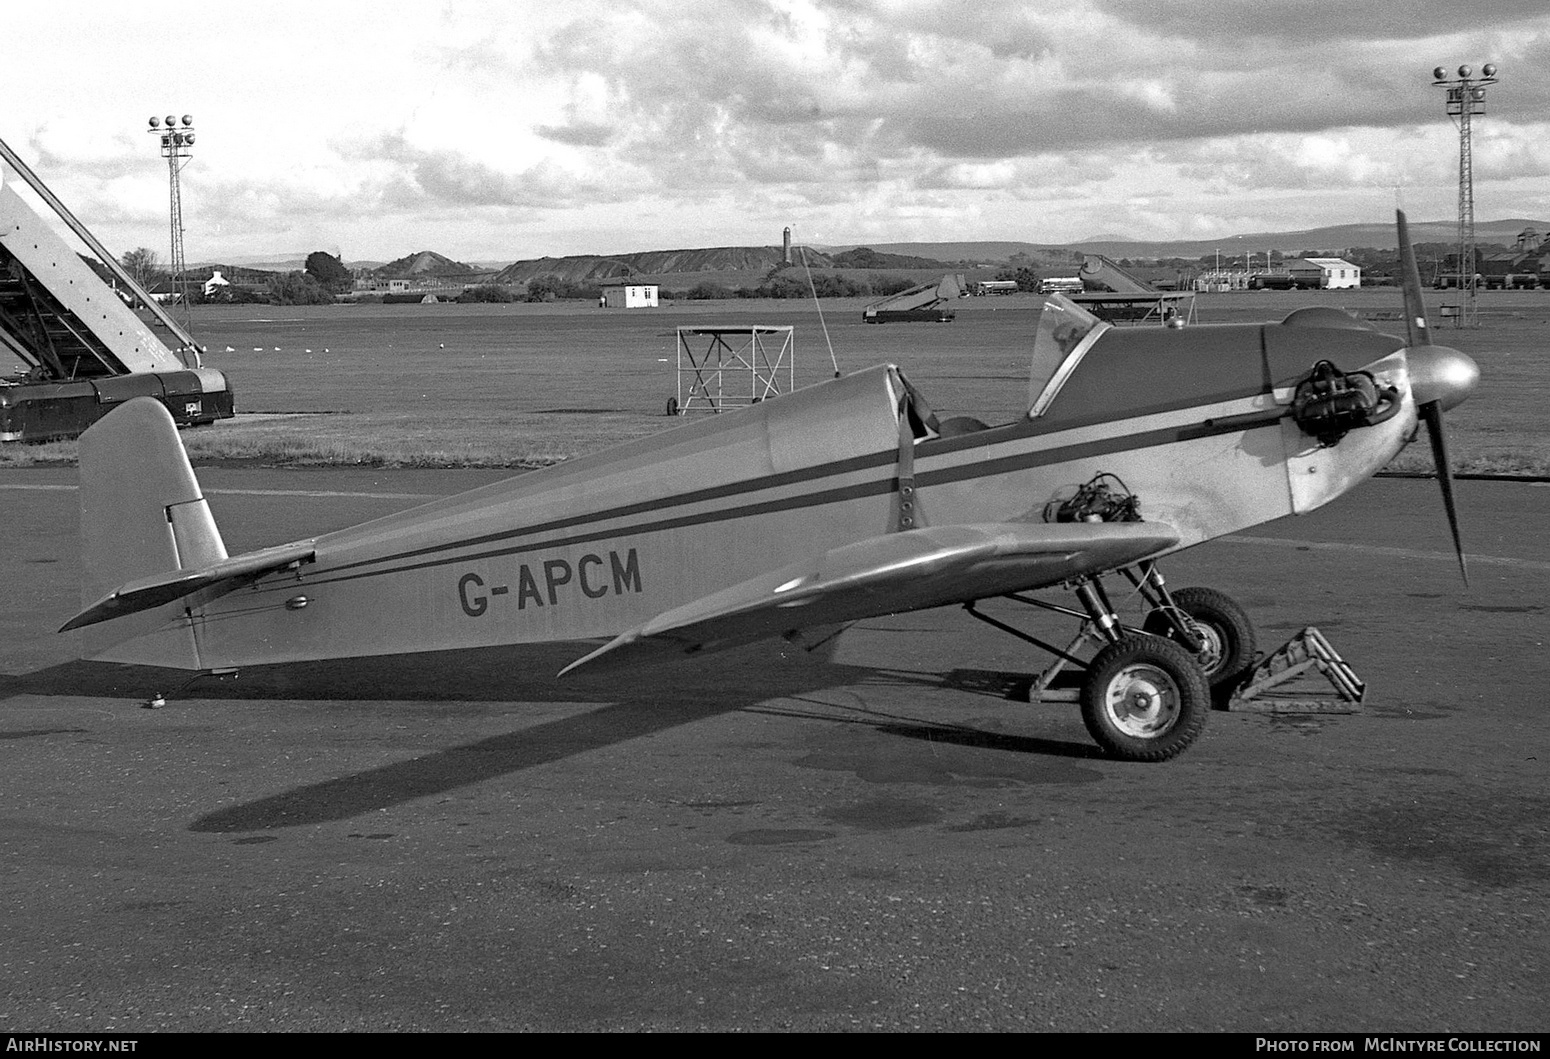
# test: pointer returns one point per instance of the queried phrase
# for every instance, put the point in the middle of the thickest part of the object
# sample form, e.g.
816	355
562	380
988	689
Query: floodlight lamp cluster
1465	73
172	135
1466	92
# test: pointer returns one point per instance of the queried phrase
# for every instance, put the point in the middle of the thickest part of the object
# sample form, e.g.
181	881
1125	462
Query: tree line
325	276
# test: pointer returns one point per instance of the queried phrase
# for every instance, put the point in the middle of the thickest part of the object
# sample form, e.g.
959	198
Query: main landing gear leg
1209	624
1142	697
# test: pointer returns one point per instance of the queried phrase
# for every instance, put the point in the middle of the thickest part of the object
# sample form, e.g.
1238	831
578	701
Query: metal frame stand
710	378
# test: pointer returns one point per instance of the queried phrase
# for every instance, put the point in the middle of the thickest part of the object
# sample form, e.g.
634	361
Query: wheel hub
1211	648
1142	700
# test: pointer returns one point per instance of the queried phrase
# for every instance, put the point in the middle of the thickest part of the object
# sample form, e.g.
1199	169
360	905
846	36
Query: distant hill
655	263
990	252
741	263
265	263
1378	235
278	263
423	263
867	257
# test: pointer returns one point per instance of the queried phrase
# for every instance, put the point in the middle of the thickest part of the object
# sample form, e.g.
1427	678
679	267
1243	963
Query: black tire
672	406
1229	635
1145	699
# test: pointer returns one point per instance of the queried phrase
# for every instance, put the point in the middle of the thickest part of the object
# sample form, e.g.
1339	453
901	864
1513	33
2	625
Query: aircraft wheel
1145	699
1222	624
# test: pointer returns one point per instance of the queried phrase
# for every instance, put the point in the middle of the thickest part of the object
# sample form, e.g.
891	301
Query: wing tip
618	641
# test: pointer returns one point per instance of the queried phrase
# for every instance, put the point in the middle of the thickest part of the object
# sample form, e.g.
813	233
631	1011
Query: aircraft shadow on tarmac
1002	685
641	703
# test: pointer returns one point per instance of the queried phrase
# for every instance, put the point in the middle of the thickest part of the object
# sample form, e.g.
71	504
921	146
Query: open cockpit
1064	333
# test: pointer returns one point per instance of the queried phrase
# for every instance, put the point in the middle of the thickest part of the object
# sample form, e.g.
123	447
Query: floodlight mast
1466	100
177	141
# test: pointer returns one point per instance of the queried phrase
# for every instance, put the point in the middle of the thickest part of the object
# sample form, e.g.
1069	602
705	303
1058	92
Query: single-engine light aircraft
851	497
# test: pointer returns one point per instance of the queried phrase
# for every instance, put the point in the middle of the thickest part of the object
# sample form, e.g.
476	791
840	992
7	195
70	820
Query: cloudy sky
507	129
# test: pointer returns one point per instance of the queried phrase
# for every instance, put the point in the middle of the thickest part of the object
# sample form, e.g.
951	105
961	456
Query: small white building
365	283
630	296
1335	273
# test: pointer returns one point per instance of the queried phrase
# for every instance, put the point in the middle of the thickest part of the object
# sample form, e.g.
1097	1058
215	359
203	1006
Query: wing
886	575
219	578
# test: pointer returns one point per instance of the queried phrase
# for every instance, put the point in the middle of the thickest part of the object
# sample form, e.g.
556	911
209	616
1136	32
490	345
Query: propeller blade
1410	278
1431	412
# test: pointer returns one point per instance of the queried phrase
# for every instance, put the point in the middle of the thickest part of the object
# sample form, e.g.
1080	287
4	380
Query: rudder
142	511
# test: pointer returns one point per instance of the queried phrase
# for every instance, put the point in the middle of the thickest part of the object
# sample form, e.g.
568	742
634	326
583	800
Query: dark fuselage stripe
1086	449
774	481
936	447
966	472
828	496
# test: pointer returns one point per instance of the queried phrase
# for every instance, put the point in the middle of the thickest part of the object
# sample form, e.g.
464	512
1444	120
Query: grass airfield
527	385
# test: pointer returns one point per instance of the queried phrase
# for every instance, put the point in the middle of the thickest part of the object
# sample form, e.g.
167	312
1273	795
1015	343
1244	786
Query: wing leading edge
890	574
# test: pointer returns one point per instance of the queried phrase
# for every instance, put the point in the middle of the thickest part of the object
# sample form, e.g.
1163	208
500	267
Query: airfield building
630	296
365	282
1325	273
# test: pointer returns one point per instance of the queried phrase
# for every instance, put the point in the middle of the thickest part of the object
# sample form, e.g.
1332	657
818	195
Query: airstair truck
928	302
82	349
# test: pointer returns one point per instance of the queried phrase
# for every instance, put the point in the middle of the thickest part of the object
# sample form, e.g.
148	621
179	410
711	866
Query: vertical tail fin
142	514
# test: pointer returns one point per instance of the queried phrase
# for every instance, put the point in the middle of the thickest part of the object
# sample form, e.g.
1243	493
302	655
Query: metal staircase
43	333
84	348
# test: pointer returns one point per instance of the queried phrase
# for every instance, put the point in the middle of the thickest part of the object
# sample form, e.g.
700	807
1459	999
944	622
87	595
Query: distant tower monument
785	247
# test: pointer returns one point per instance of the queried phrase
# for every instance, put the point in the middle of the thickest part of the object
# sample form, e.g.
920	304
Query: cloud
428	176
77	142
838	102
984	83
702	119
1287	161
1320	22
975	175
582	134
1512	153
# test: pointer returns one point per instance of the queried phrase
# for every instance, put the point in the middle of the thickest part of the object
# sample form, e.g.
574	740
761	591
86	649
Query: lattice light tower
177	141
1466	100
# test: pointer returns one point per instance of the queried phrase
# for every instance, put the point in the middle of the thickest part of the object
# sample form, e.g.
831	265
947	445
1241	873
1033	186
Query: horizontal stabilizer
217	578
890	574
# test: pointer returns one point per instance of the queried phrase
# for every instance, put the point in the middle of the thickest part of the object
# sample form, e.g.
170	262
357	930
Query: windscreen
1063	325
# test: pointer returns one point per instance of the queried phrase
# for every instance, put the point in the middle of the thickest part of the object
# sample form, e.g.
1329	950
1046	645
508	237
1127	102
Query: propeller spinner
1440	378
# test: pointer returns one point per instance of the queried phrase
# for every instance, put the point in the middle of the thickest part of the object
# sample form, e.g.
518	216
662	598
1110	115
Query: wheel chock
1280	682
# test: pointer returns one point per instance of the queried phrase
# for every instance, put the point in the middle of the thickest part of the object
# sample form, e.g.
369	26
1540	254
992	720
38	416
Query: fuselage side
1192	421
